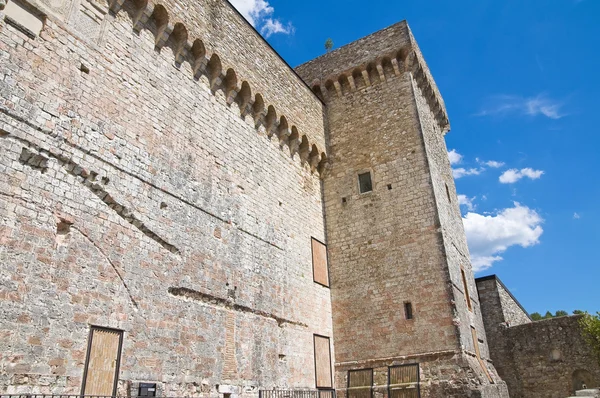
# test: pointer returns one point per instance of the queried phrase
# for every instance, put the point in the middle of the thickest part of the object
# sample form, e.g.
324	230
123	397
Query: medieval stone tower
403	291
184	214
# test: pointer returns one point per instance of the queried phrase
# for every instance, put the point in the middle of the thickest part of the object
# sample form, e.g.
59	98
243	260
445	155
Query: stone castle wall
546	359
552	358
144	188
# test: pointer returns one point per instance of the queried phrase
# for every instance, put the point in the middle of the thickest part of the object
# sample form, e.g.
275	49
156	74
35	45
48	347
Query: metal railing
277	393
76	396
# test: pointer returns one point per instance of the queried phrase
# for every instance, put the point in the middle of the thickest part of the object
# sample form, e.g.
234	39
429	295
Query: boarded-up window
478	354
466	289
102	363
403	381
360	383
320	268
323	362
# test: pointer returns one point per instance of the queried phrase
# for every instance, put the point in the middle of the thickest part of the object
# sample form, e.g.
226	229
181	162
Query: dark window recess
408	310
448	193
364	181
147	390
390	187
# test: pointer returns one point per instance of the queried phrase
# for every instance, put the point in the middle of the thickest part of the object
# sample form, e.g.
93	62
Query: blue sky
521	83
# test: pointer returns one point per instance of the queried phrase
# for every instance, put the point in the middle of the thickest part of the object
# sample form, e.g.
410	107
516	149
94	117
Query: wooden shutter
466	288
360	383
323	362
320	268
102	364
478	354
404	381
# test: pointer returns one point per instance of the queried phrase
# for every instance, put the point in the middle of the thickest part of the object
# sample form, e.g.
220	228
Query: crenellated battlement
374	60
172	33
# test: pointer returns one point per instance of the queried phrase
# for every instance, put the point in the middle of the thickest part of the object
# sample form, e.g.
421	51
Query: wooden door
102	363
404	381
360	383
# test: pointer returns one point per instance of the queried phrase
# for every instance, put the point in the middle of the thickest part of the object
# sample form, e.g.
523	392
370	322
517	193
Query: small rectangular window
360	383
466	289
320	266
408	310
365	183
323	373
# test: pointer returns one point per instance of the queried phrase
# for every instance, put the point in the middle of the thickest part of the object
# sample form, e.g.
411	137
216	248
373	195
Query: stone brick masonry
137	195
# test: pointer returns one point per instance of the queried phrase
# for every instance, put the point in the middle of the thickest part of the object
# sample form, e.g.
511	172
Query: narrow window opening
344	200
84	69
389	187
448	193
365	183
466	289
408	310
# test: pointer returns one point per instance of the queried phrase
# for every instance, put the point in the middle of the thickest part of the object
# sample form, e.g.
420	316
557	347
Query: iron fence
322	393
262	394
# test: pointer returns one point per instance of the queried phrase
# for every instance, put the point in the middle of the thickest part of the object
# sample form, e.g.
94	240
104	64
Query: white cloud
461	172
259	13
491	235
463	200
455	157
513	175
272	26
490	163
576	216
540	105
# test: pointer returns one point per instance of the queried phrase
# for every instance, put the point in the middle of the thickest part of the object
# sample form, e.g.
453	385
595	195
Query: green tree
578	312
561	313
328	44
536	316
590	324
548	315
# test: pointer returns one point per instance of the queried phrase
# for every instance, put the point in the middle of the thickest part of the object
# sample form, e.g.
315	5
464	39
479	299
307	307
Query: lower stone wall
448	374
551	359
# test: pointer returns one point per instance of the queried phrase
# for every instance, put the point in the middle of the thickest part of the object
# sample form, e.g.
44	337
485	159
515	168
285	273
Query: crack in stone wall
229	304
115	268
